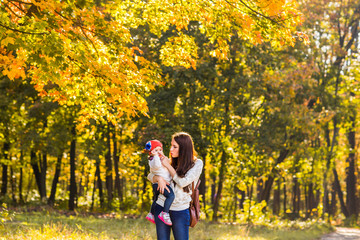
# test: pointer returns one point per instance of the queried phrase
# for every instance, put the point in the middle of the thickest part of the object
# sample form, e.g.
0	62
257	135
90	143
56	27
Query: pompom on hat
151	145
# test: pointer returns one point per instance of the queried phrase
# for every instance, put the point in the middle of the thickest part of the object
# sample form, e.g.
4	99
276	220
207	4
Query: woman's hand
162	184
165	162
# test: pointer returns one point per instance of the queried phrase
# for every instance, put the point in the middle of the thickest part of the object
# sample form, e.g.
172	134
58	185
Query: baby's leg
155	197
170	196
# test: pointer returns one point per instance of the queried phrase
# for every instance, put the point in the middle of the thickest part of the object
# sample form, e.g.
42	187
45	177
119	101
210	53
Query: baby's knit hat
151	145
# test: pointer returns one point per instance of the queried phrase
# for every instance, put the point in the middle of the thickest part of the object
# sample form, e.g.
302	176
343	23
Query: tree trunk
12	183
332	208
145	181
116	166
248	220
30	180
55	181
317	198
295	196
21	199
93	195
220	186
40	173
236	200
73	188
242	199
202	187
330	146
327	203
4	178
285	199
223	160
109	178
310	200
351	198
43	171
306	200
80	190
259	189
309	192
87	182
122	191
340	194
298	202
213	189
35	167
276	203
270	180
99	183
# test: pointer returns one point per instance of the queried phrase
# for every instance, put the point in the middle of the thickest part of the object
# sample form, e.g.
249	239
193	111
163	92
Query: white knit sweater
158	169
182	199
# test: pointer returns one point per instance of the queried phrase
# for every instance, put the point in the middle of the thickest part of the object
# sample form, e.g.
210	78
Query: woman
184	168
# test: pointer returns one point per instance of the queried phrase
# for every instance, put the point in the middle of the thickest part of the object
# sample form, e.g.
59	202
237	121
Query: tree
100	60
82	53
334	49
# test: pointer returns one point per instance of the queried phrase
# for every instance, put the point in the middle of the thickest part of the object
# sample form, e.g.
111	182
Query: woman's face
174	149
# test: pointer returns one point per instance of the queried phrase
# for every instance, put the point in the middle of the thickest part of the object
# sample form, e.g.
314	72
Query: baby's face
157	151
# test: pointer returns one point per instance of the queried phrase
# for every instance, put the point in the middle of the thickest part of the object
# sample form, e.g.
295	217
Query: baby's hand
165	161
161	155
154	152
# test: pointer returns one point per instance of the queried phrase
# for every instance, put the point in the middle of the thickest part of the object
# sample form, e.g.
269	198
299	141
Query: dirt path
343	233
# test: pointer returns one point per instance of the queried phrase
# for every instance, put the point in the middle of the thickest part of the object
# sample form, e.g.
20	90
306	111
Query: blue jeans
180	224
170	196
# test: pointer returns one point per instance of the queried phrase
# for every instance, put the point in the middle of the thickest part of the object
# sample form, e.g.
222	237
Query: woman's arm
190	176
162	184
166	163
150	177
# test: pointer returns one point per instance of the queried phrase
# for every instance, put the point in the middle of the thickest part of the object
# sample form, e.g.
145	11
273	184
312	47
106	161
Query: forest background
269	90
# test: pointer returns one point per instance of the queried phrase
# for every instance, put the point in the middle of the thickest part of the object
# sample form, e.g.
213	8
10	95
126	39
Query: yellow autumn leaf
6	41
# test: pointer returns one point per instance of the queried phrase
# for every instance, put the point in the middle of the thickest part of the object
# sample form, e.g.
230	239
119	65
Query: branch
354	28
63	16
18	7
7	6
354	35
256	112
253	11
79	64
76	23
92	43
20	2
20	31
341	38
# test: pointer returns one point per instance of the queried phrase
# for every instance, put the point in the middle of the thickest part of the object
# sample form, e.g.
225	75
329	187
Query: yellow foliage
180	51
86	52
6	41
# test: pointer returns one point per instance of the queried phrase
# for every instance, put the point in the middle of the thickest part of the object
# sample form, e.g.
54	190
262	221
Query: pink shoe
165	217
150	217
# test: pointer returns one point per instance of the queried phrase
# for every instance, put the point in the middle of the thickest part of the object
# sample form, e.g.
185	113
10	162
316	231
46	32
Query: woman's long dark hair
187	155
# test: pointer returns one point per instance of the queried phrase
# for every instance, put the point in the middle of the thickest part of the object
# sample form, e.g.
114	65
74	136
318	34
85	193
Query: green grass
44	225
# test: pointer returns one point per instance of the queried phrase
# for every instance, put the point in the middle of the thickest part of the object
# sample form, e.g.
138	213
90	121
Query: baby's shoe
150	217
165	217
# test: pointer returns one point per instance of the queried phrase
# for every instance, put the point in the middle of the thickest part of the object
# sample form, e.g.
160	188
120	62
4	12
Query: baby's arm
162	184
155	163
